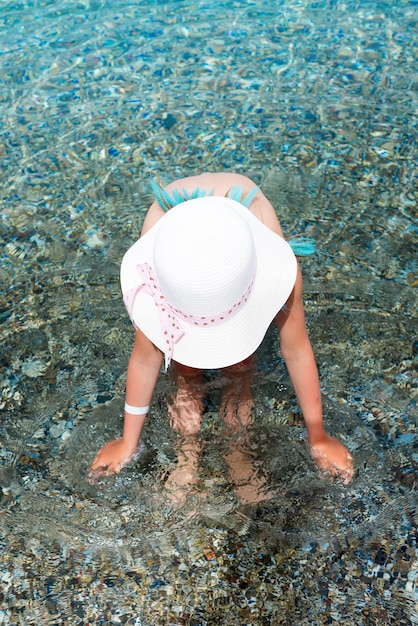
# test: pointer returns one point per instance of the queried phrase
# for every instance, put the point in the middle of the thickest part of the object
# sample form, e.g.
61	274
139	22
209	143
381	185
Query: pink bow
169	318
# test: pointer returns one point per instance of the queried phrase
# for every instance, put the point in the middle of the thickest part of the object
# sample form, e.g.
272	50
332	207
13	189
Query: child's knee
186	410
184	421
189	428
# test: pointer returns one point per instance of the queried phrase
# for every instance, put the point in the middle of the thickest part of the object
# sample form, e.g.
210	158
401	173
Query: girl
202	285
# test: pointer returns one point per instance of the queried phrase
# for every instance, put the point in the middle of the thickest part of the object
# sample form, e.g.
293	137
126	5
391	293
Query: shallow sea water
317	102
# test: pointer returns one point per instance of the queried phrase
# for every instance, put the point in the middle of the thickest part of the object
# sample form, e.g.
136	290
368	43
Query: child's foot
182	479
253	493
179	484
250	486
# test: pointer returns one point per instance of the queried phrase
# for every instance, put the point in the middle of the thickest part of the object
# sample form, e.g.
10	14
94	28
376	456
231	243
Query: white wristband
136	410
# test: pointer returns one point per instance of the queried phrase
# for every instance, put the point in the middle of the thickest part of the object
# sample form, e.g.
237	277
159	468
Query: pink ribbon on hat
170	317
169	320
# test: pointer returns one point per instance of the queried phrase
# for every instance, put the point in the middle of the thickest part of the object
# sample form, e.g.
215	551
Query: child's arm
297	352
143	369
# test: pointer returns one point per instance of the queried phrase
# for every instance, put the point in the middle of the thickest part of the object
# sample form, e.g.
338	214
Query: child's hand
111	458
333	458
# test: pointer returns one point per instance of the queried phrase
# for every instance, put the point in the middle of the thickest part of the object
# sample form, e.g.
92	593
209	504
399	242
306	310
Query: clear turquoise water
317	102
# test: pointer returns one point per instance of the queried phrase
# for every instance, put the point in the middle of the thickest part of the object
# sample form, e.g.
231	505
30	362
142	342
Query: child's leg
185	418
236	409
186	410
237	398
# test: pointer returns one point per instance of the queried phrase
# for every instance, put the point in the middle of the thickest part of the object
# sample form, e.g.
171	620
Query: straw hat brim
238	337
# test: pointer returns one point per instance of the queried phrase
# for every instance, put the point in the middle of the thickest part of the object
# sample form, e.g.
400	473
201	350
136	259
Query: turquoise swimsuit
301	246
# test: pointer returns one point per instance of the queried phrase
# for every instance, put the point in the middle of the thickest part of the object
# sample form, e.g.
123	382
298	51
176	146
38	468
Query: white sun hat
205	282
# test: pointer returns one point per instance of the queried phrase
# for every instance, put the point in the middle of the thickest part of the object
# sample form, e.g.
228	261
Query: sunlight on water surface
314	101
